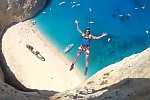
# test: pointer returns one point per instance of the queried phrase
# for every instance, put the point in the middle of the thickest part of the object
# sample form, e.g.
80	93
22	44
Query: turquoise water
127	23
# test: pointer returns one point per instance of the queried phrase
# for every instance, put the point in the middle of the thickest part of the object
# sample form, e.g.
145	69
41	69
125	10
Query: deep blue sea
127	23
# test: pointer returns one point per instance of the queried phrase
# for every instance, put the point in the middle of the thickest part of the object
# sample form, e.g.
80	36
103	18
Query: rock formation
11	12
128	79
9	93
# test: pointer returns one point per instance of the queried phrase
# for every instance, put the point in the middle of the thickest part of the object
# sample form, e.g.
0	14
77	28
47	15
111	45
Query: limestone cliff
18	10
125	80
9	93
128	79
11	12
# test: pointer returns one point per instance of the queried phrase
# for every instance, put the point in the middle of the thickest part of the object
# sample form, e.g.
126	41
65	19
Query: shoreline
29	69
51	43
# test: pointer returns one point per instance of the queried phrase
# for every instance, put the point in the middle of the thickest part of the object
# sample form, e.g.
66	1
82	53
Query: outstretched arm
77	23
98	37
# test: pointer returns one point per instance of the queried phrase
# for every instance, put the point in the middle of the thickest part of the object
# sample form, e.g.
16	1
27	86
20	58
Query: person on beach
85	45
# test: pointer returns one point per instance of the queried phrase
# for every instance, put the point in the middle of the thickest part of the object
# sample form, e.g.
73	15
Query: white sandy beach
51	74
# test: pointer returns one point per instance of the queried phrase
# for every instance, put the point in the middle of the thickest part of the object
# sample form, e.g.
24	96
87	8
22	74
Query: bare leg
75	60
86	60
77	56
86	63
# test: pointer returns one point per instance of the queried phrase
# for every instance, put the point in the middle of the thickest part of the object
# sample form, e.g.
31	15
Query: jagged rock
11	12
1	75
19	10
125	80
9	93
128	79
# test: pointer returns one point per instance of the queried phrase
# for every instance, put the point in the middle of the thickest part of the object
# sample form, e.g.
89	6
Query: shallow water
125	21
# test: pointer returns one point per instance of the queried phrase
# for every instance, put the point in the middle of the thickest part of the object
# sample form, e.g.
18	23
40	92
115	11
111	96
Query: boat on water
68	48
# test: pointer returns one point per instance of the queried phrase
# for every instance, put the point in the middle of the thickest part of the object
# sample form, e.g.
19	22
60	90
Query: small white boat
73	2
77	4
147	31
68	48
90	22
73	6
61	3
108	39
90	9
44	12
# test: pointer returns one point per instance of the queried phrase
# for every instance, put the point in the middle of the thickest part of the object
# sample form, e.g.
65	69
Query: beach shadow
9	77
46	93
127	89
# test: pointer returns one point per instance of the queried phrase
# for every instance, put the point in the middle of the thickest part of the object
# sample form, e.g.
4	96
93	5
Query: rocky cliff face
18	10
10	93
128	79
11	12
125	80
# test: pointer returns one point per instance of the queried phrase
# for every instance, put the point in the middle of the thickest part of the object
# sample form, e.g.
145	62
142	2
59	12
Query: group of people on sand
85	45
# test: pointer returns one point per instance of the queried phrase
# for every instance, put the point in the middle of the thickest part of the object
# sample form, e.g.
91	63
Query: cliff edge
128	79
12	12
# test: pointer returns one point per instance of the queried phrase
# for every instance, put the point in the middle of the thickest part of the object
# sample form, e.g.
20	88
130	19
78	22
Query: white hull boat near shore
68	48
